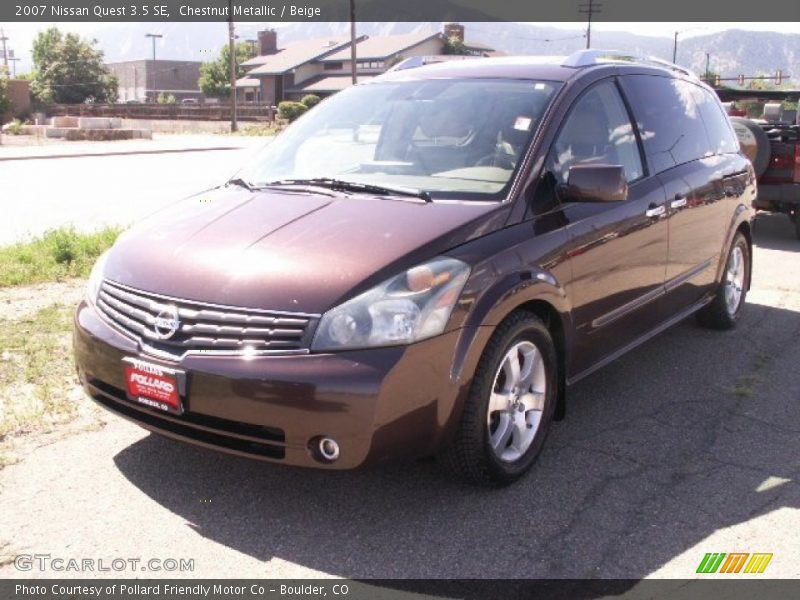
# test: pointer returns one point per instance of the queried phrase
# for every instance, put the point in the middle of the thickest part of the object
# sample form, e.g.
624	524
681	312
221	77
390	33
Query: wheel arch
745	229
536	291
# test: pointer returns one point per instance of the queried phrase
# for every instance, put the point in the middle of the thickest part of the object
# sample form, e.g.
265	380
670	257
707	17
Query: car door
678	147
617	250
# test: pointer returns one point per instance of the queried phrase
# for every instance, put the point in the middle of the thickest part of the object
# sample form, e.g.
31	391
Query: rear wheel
724	311
510	405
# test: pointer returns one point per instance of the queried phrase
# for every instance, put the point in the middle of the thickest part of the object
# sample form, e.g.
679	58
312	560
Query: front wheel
726	308
510	405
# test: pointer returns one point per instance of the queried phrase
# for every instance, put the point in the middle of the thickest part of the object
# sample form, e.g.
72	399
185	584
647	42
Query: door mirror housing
595	183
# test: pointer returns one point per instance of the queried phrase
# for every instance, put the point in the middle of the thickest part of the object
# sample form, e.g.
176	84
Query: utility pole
353	66
232	52
589	8
154	37
14	60
708	73
4	39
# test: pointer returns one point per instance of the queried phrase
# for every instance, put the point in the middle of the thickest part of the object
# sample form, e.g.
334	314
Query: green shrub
291	110
166	99
15	127
56	255
310	100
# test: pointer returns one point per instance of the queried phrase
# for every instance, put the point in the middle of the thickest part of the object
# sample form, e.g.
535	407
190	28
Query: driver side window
597	131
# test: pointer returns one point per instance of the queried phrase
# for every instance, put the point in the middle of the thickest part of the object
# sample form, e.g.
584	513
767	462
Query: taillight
783	162
797	163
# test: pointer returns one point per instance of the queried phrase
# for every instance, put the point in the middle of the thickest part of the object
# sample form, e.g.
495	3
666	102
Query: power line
529	38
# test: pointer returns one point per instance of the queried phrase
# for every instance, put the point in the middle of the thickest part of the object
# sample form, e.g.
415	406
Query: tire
796	220
754	143
480	452
724	311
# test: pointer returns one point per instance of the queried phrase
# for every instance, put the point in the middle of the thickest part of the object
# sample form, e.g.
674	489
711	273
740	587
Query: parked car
192	101
774	148
425	263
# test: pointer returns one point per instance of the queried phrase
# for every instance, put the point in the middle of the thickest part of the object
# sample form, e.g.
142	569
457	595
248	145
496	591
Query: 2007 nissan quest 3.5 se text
423	264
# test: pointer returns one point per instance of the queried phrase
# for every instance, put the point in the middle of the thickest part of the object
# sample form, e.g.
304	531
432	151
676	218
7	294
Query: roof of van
549	68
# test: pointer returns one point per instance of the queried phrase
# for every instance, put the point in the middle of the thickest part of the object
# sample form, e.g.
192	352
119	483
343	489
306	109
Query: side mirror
595	183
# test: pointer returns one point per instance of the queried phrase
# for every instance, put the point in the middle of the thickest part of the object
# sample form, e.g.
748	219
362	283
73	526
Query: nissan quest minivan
425	263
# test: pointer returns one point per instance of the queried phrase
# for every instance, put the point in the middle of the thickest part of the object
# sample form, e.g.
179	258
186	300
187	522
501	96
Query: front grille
203	328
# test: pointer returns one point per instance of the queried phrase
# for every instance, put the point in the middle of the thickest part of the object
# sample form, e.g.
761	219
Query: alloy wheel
517	401
734	280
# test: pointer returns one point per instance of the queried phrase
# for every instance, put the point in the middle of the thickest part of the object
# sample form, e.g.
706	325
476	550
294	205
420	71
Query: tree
453	45
5	100
215	76
70	70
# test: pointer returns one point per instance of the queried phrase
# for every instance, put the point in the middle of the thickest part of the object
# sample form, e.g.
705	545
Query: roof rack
586	58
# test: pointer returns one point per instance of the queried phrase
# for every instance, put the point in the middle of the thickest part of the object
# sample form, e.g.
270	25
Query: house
144	80
323	66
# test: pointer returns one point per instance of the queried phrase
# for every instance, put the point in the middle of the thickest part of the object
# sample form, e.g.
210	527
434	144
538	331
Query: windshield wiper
354	186
241	183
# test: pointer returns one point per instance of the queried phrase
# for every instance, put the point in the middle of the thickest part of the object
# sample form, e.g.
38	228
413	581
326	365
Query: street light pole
153	36
675	43
675	49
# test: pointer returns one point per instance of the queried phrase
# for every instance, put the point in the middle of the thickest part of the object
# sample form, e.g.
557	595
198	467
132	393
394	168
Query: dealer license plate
154	385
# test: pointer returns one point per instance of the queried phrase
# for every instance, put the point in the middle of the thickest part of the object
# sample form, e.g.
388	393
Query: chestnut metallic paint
605	275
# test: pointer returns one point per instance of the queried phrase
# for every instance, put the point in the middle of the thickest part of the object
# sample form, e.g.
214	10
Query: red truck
773	146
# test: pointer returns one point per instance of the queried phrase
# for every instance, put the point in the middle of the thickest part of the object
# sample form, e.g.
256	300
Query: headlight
412	306
96	278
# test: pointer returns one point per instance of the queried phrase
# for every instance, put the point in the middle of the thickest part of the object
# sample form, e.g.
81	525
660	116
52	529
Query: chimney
267	42
454	30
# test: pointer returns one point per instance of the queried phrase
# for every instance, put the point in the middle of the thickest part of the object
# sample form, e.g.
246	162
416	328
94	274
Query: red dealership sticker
153	386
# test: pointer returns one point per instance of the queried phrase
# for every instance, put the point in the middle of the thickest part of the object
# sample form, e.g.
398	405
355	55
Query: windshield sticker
522	124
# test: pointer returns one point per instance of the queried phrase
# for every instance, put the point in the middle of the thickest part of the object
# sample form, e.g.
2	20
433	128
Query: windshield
450	138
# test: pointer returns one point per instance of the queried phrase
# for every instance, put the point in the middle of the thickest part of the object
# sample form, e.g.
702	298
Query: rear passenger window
669	120
597	130
720	133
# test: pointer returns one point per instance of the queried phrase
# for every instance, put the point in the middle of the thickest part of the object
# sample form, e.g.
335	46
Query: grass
261	129
57	255
36	371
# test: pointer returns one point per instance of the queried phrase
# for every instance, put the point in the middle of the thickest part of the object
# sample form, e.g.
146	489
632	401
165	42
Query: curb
118	153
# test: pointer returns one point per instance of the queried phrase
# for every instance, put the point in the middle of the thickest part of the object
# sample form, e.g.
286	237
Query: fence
189	112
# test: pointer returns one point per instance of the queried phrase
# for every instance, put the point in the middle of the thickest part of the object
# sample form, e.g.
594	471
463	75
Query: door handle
678	203
655	211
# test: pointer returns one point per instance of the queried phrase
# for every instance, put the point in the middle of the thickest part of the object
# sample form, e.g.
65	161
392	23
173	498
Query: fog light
328	449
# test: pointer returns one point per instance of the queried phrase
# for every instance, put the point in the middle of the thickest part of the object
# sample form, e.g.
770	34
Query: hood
298	252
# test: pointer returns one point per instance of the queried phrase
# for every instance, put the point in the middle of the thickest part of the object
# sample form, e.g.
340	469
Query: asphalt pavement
686	446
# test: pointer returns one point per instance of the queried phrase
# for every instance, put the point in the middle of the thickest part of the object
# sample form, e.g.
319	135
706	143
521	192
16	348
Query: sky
21	34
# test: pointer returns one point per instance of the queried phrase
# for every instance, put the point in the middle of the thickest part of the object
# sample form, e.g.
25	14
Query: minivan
423	264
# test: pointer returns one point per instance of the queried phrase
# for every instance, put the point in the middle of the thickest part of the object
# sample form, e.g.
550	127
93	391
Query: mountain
732	52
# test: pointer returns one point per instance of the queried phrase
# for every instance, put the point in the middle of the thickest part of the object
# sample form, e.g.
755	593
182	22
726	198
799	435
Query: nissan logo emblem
167	322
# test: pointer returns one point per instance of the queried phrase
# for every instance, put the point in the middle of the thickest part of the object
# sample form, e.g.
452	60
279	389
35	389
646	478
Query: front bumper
377	404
